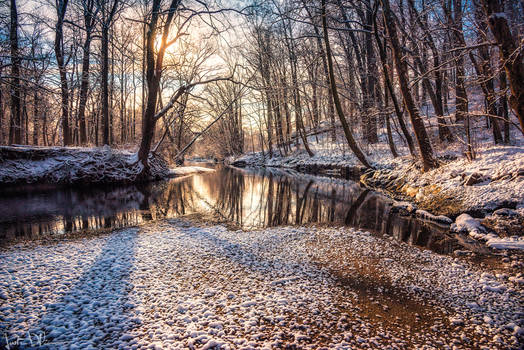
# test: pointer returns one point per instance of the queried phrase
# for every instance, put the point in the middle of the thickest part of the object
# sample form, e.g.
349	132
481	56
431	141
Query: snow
500	167
468	224
187	170
496	242
72	165
172	284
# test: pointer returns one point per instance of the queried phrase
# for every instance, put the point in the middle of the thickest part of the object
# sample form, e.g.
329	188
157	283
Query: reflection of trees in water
170	199
268	199
80	209
230	195
247	198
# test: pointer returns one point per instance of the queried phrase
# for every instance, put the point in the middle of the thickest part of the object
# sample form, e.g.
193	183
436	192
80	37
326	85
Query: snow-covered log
66	165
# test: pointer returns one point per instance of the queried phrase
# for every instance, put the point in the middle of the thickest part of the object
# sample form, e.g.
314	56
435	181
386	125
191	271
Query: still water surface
244	198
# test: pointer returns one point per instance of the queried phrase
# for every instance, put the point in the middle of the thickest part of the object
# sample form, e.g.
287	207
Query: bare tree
89	14
512	55
15	130
424	143
61	8
338	106
108	11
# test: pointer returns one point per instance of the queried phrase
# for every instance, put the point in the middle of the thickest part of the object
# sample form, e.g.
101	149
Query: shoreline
294	281
450	200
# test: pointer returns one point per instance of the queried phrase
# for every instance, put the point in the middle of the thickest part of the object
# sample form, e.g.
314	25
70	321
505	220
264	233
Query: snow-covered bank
188	170
332	156
174	285
73	165
495	179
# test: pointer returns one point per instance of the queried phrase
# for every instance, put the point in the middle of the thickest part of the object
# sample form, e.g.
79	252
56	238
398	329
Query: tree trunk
389	85
84	87
153	75
15	131
513	57
330	107
338	106
59	52
105	88
424	143
2	113
503	104
36	117
371	80
486	75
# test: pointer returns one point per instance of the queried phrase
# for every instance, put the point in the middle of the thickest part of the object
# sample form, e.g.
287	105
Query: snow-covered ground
498	175
73	165
176	284
493	180
496	178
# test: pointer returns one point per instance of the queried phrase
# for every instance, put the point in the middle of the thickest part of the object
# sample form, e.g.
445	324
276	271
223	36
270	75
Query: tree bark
513	57
423	141
89	17
15	131
153	75
338	106
486	75
59	53
105	88
36	116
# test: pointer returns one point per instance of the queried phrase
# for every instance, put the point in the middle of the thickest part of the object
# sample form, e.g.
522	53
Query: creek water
243	198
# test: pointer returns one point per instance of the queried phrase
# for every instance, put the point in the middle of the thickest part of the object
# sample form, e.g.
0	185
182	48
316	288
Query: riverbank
182	284
22	165
490	188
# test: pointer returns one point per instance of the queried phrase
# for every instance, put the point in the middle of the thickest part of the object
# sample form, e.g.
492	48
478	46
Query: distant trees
125	74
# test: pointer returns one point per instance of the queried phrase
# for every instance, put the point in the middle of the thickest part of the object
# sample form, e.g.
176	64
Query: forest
134	74
245	174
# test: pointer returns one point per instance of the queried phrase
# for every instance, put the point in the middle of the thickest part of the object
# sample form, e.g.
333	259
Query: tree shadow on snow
97	310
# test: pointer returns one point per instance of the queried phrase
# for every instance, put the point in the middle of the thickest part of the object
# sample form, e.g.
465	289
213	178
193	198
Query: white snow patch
187	170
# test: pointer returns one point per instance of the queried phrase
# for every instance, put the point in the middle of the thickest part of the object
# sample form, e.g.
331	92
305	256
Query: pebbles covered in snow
174	285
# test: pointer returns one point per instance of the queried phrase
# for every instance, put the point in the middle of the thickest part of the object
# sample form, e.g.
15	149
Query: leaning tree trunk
513	57
389	85
423	141
338	105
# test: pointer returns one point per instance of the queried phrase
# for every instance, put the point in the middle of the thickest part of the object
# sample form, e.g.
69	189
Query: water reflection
248	198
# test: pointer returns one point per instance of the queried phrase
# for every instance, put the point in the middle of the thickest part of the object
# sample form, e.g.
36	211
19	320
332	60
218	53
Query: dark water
245	198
